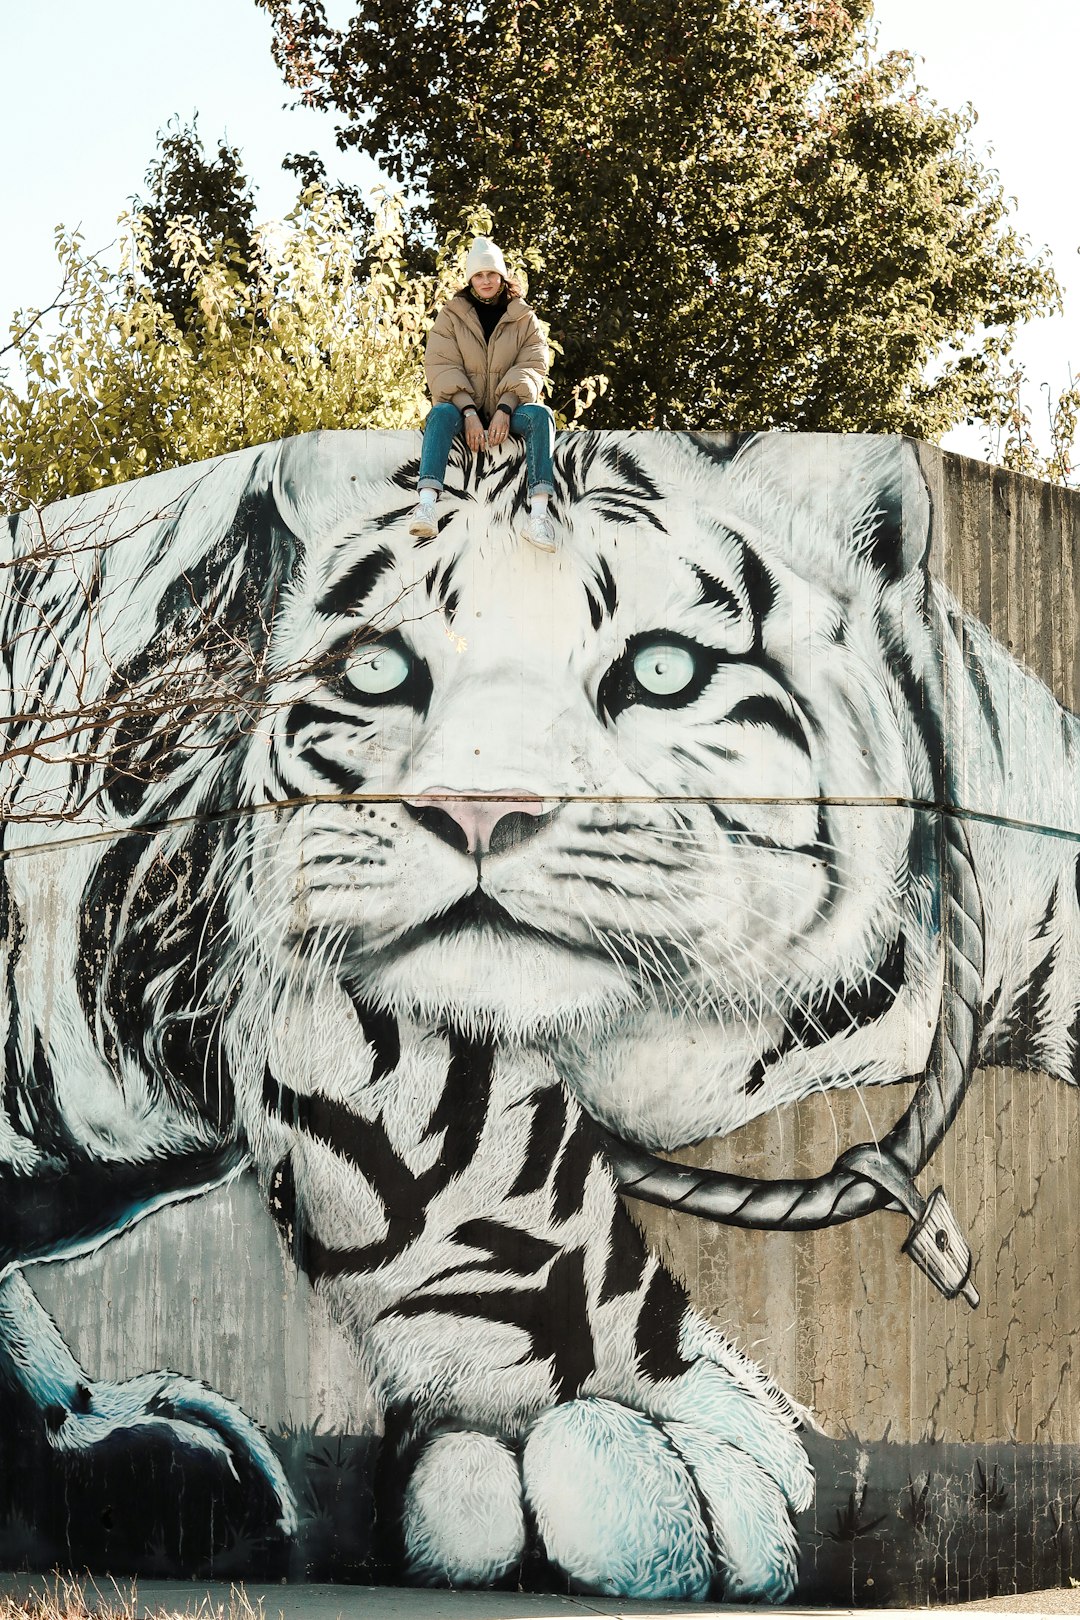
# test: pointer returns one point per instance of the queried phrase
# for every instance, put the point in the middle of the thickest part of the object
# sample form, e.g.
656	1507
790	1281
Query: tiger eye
664	669
379	669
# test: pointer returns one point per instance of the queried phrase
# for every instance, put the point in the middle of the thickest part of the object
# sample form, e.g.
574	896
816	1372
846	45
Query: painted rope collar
869	1176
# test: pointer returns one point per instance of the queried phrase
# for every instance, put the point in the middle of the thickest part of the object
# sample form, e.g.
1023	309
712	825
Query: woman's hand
500	427
474	432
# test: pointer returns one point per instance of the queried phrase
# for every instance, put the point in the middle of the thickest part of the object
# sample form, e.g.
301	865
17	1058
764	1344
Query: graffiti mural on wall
449	886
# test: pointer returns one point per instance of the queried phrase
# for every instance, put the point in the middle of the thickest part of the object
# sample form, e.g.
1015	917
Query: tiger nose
478	823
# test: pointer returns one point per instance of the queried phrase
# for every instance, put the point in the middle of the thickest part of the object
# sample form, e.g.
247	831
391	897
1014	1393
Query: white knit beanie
484	255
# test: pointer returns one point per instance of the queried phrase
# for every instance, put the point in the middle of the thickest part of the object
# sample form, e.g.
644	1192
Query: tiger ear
323	477
864	488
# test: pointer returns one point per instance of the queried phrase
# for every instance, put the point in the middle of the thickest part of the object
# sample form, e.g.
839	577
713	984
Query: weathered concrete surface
953	1464
843	1321
884	1355
159	1296
1008	548
887	1356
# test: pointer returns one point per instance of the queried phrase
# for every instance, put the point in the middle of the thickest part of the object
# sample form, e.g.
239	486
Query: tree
1013	442
315	328
309	326
741	215
213	193
87	721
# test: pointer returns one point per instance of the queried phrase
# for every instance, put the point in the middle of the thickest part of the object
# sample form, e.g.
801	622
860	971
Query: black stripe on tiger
605	584
712	593
571	1177
553	1315
659	1327
140	966
743	834
364	1144
506	1251
348	594
332	771
304	715
627	1257
1020	1042
762	709
32	1104
461	1112
837	1011
380	1030
552	1310
443	579
629	497
389	520
498	479
761	591
221	608
980	683
316	1259
546	1131
605	598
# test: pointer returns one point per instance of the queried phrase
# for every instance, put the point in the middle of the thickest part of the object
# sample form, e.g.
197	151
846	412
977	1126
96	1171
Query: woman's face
486	283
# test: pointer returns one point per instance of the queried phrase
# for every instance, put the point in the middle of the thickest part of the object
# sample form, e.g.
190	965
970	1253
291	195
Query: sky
85	88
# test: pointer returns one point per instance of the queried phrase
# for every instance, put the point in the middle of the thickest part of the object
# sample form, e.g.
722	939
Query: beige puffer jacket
460	366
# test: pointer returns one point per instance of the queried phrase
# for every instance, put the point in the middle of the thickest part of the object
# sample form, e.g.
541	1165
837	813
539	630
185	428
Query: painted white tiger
486	849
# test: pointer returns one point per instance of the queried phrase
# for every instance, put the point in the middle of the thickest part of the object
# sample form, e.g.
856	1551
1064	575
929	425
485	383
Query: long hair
514	288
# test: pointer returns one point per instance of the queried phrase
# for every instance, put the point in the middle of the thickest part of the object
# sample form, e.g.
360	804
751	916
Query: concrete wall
710	762
901	1365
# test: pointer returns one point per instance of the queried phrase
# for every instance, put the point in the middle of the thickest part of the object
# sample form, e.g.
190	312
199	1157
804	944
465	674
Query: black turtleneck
490	313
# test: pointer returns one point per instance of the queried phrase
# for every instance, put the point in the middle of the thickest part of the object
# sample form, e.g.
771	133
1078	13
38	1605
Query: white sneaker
539	531
423	523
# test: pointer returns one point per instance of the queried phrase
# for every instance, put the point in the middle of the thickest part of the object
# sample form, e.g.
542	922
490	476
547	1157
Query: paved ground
1067	1602
220	1602
154	1598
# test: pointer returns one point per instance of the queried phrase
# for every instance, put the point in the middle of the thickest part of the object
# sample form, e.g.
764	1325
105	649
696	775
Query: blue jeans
533	423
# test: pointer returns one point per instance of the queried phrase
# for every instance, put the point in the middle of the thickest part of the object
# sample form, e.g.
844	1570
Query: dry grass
86	1599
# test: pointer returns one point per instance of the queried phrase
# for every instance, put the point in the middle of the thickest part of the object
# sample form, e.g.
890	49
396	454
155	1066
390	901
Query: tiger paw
463	1516
631	1507
696	1505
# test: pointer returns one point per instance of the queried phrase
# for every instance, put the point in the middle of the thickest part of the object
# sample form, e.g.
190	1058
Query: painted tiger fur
358	926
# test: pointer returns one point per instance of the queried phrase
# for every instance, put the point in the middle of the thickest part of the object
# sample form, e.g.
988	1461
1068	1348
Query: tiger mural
447	982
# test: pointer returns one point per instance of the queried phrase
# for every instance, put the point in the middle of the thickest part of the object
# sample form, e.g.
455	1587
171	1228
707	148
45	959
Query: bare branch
36	319
87	723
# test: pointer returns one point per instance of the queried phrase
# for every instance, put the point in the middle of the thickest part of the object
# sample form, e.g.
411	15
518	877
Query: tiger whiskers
765	1003
769	1005
776	882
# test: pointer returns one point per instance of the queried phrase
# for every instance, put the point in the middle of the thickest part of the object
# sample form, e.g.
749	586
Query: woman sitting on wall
486	364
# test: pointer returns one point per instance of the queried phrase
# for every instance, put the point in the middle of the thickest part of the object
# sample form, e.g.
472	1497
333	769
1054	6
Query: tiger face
667	874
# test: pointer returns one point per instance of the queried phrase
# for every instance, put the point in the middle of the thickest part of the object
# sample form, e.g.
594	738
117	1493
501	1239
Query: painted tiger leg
129	1442
547	1393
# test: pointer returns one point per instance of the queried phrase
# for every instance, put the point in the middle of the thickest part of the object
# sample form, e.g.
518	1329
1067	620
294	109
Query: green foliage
315	328
1015	444
310	173
212	192
741	216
